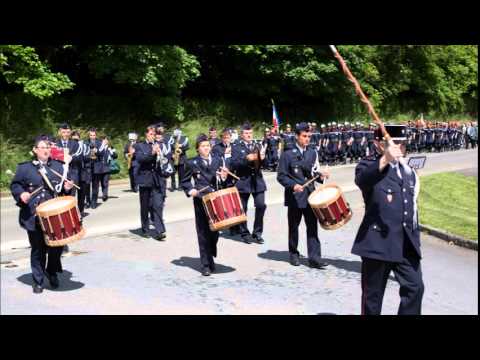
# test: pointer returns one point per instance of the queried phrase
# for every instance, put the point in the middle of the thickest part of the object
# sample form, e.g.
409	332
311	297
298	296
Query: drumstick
34	192
310	181
230	173
203	189
60	175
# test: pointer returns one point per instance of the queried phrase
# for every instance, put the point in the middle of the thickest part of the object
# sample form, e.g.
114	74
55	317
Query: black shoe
93	206
87	205
145	233
37	289
105	198
294	260
317	264
54	281
161	237
212	267
206	271
172	189
247	239
258	239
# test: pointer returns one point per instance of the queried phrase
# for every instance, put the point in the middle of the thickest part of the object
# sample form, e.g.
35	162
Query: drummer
297	165
26	181
206	171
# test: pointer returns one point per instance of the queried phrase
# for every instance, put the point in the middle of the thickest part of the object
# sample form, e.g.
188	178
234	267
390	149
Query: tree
21	65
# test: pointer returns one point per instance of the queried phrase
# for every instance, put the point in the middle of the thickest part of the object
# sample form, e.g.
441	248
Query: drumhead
322	196
57	204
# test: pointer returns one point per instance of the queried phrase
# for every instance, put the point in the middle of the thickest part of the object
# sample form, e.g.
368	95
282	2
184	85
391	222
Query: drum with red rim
224	209
330	207
60	221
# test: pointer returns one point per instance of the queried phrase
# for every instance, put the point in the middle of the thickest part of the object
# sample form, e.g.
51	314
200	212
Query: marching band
223	176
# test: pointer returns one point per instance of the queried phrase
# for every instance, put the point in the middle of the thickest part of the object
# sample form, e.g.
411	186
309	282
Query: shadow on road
66	284
280	256
194	263
226	235
139	232
350	266
275	255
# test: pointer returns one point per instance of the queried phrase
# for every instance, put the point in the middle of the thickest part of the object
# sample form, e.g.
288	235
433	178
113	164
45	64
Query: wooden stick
310	181
231	174
34	192
60	175
203	189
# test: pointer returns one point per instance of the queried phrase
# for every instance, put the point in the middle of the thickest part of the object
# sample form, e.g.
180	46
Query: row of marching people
89	163
338	143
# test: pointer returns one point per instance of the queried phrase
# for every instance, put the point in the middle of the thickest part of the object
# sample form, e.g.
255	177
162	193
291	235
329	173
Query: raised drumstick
60	176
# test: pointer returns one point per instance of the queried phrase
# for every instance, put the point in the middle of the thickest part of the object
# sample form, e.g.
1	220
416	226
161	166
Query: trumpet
93	152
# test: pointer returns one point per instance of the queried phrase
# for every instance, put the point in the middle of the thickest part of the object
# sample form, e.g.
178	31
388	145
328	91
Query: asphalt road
118	272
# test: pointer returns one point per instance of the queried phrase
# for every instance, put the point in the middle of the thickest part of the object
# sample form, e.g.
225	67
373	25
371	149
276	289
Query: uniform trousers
38	256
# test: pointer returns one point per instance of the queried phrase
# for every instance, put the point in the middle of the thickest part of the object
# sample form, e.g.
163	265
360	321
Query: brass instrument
177	152
257	160
93	152
129	156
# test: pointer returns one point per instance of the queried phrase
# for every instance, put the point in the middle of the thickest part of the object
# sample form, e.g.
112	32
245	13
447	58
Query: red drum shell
61	224
224	209
333	213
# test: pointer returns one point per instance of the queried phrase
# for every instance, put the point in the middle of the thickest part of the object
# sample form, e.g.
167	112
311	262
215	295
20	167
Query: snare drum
224	209
60	221
330	207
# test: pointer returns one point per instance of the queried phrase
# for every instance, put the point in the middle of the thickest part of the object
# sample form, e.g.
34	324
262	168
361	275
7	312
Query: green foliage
166	67
451	208
22	66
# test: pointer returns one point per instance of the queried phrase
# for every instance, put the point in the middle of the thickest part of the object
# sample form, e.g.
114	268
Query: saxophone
178	151
129	156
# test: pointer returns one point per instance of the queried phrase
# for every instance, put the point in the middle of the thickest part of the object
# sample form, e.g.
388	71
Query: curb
457	240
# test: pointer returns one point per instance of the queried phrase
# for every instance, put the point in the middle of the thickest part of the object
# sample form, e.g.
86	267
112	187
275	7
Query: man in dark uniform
205	170
389	238
322	146
212	137
109	154
224	148
28	178
75	162
333	144
430	137
152	188
297	166
97	163
271	154
179	145
370	140
129	153
358	142
251	182
288	138
438	136
348	141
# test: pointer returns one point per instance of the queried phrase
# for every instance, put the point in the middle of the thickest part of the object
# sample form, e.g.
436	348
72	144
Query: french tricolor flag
276	120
